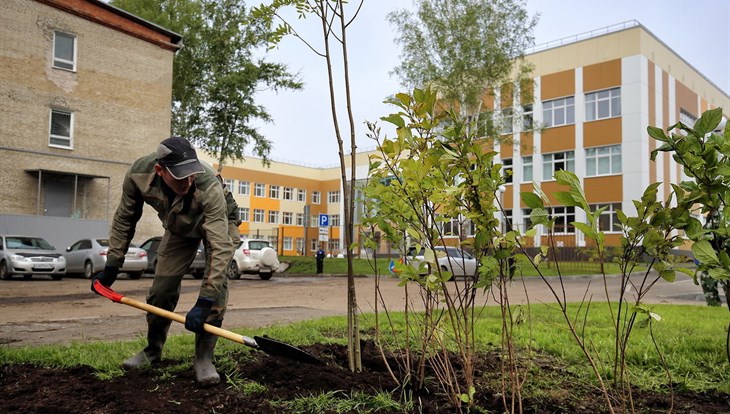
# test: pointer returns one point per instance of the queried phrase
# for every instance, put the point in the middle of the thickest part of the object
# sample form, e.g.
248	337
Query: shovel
268	345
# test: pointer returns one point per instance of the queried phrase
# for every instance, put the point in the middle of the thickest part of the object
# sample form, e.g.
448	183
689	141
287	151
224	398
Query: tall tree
215	74
333	18
462	48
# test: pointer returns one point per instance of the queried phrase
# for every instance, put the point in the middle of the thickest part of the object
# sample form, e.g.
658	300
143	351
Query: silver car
450	259
88	256
254	256
28	256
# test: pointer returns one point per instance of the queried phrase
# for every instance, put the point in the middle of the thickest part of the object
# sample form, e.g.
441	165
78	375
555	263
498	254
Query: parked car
254	256
88	256
197	267
452	259
29	256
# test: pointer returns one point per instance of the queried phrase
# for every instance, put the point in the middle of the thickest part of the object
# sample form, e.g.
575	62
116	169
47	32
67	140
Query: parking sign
324	220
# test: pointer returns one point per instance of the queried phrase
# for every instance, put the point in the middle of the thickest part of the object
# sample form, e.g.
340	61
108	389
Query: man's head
177	164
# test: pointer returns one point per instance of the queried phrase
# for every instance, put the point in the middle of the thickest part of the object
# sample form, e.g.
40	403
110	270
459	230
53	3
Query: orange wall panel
527	145
607	189
506	149
602	75
550	188
557	85
686	99
602	132
558	139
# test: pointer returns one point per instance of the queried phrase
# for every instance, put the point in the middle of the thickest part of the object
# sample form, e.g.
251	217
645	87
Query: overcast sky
302	131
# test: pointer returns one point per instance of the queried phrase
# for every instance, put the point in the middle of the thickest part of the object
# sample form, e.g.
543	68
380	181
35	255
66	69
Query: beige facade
86	90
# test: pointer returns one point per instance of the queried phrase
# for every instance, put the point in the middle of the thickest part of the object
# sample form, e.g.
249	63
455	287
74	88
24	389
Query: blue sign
324	220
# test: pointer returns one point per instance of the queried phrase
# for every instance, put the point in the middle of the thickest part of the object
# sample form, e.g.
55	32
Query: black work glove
195	319
106	278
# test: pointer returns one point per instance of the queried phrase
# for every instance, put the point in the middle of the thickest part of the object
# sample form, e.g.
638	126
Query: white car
254	256
88	256
451	259
28	256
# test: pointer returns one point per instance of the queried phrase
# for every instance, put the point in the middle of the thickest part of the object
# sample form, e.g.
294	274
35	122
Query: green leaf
669	275
719	273
657	134
539	216
565	198
704	252
708	121
531	200
395	119
586	229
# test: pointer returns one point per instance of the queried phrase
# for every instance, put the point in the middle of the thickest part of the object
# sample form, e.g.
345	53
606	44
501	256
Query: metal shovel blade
278	348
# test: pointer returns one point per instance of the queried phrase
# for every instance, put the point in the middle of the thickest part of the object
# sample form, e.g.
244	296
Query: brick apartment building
86	89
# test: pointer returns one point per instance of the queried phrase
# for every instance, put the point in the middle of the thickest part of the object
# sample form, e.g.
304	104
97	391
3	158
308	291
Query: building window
555	162
243	214
507	170
287	243
301	195
608	220
287	218
449	226
526	221
333	196
507	121
316	197
230	184
273	217
258	215
687	118
527	169
244	187
64	51
300	219
334	245
258	190
603	160
506	222
564	218
559	112
300	245
288	193
603	104
273	191
61	129
313	245
527	117
335	220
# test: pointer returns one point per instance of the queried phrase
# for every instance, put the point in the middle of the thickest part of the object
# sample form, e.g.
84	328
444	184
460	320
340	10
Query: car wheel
233	270
134	275
265	275
88	269
268	257
4	271
56	277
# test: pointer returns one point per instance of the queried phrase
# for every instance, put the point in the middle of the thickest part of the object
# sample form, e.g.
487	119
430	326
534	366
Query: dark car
197	267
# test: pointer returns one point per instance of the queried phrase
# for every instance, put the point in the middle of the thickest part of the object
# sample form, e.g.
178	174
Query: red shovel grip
107	292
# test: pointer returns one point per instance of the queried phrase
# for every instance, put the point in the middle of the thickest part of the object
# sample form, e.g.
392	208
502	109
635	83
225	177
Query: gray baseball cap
179	157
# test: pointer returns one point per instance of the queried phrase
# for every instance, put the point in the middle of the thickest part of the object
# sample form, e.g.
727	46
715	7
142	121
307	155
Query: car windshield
32	243
258	244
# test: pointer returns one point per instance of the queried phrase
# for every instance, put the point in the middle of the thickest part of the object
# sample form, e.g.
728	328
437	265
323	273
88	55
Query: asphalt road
42	311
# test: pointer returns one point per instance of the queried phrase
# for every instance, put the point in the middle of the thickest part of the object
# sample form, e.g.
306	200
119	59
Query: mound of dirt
30	389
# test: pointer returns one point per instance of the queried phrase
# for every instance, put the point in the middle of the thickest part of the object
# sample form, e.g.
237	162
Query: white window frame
244	187
610	212
313	245
56	140
507	167
603	104
333	196
507	218
243	214
301	195
230	184
334	220
273	217
553	107
507	118
687	118
288	193
300	244
258	215
300	219
551	161
528	169
596	155
567	213
61	62
274	191
259	190
288	243
527	117
287	218
316	197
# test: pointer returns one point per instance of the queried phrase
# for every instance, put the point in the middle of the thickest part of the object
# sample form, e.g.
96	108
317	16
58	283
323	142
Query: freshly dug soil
29	389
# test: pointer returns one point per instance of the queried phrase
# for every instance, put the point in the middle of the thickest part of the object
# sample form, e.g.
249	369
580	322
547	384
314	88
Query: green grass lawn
335	266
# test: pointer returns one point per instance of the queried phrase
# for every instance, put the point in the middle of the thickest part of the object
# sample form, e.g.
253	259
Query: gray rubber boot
152	354
205	372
